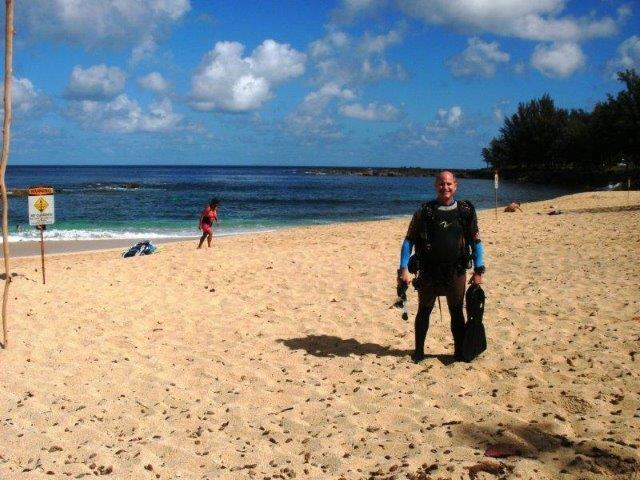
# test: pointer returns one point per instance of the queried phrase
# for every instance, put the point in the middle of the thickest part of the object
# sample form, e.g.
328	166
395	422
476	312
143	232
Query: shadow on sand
569	456
332	346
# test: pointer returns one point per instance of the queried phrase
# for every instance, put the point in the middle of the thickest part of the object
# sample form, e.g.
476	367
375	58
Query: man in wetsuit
445	235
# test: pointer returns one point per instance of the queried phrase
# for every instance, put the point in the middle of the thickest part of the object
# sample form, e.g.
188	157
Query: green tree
530	138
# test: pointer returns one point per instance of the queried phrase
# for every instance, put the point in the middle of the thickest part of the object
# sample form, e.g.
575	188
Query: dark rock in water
399	172
132	186
18	192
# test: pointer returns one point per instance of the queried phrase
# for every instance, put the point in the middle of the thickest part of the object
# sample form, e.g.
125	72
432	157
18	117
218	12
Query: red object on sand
500	450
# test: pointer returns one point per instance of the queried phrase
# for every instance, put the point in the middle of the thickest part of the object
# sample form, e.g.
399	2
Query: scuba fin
401	291
475	339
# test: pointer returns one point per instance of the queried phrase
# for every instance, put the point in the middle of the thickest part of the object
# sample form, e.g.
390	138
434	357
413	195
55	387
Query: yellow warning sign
41	191
41	204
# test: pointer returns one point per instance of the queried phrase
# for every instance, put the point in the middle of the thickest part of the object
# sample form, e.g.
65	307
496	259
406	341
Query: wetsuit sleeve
410	240
478	256
405	253
477	248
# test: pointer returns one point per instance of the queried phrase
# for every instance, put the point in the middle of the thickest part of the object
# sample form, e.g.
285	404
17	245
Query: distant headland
399	171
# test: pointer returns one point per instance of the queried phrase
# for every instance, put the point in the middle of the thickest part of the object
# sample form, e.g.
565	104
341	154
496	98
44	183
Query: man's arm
477	251
405	254
407	248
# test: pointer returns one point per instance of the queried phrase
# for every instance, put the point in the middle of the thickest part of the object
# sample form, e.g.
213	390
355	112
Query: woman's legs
204	235
207	233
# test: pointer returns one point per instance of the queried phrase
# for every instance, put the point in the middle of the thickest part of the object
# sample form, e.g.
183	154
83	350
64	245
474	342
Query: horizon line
238	166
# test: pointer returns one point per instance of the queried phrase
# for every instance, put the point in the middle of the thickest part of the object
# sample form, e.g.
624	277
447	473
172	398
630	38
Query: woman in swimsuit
207	217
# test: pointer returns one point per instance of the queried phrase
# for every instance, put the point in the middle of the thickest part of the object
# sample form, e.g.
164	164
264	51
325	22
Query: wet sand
31	248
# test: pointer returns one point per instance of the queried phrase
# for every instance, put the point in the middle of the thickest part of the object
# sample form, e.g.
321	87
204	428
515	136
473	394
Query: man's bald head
448	175
446	186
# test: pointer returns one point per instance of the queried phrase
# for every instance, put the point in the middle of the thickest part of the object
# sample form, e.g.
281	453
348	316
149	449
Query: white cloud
145	49
276	61
344	59
123	115
479	58
628	56
154	82
558	60
451	118
315	102
92	23
538	20
447	127
310	118
351	9
371	112
326	46
499	110
312	127
95	83
24	97
379	43
342	65
226	81
411	136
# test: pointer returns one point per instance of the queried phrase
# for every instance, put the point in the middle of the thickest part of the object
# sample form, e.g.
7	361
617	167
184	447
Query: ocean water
120	202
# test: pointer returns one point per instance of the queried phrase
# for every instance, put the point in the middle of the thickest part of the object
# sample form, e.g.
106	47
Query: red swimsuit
208	217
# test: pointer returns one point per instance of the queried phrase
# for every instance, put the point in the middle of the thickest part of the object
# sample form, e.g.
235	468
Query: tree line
541	142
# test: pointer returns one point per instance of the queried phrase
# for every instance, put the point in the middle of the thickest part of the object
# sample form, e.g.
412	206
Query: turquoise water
104	202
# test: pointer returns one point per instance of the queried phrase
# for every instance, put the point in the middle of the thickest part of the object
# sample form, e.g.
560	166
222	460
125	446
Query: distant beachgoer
207	217
445	235
19	228
512	207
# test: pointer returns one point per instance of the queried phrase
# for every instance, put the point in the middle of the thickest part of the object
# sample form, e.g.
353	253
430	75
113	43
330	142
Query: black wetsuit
440	245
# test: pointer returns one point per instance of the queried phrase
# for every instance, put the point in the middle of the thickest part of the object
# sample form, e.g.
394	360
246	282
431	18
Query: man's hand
404	276
476	279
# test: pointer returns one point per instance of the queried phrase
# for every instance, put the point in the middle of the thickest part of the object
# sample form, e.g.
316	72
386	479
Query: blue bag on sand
140	248
475	339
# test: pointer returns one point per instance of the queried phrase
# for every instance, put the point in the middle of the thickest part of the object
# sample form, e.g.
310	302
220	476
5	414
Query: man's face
446	187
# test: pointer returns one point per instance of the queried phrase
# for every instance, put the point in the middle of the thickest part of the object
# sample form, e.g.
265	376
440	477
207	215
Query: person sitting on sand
512	207
207	217
446	238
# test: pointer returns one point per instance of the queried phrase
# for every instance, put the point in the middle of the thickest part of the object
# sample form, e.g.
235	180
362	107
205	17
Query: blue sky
352	82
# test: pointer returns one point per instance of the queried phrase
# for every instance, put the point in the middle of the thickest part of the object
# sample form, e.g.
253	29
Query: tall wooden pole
6	127
495	188
42	252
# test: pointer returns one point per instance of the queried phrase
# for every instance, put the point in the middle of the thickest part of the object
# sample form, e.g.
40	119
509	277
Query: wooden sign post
495	187
41	214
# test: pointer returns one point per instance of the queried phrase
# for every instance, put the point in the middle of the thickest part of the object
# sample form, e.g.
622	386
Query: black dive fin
475	339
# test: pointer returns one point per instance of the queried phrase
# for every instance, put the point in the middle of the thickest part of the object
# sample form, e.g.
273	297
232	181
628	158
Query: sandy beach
280	355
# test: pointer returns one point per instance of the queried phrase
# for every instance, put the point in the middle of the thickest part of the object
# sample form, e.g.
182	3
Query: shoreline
31	248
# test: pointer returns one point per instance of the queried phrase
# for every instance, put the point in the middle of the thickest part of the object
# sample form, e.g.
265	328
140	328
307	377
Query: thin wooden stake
495	188
42	252
6	137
